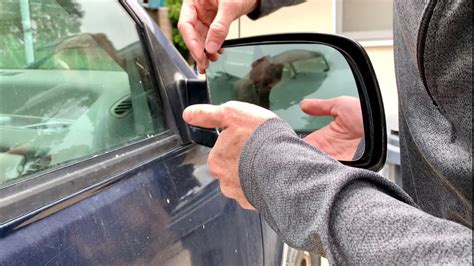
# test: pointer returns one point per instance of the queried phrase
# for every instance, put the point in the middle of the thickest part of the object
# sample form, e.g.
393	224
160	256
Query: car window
74	83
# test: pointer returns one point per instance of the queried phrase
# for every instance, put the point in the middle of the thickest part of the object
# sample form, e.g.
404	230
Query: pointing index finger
205	115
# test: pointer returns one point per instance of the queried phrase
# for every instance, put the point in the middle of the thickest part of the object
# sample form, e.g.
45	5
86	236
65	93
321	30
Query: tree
51	21
174	8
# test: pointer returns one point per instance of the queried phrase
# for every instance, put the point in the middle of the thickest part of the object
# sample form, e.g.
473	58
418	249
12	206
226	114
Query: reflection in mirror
311	86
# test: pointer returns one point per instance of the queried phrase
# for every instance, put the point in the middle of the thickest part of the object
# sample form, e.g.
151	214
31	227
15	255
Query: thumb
219	28
204	115
319	107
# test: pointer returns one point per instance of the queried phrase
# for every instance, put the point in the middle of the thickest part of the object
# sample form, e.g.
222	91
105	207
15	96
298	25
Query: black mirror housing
375	144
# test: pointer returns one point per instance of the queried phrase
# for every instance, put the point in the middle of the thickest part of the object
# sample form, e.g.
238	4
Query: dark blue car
96	165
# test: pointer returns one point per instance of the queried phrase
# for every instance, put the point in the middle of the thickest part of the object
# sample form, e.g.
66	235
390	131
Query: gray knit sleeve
268	6
350	215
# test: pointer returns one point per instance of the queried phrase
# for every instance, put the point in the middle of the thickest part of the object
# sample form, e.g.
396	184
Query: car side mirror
332	74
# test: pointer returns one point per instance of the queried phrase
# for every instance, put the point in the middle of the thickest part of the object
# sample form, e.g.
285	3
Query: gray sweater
354	216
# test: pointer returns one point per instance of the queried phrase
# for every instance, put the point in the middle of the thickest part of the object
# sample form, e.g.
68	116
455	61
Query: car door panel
138	221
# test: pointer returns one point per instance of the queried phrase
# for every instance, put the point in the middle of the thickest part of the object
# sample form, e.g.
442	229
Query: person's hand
238	120
204	25
341	137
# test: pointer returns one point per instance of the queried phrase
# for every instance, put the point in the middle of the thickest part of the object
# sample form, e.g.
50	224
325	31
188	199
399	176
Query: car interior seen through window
73	83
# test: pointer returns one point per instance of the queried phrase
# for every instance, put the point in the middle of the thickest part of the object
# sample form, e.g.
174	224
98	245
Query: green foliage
174	8
51	20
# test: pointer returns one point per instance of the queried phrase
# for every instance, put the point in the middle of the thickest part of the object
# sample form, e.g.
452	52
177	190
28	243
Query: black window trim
149	42
87	177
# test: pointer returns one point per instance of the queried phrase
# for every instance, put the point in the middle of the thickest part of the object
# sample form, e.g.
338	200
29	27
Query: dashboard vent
123	107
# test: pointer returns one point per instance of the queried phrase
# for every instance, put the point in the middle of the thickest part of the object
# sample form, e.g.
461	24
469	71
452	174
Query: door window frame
47	192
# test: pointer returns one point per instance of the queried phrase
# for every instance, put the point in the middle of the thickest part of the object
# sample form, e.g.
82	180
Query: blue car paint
160	213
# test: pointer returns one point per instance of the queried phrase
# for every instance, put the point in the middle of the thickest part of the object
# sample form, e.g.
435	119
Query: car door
95	164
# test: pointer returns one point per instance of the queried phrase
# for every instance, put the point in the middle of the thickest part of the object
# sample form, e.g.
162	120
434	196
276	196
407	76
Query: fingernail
187	115
212	47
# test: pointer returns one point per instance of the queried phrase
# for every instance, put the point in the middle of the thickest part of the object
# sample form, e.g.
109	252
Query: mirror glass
280	76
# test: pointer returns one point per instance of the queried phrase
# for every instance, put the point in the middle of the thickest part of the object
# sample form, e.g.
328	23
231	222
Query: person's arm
265	7
352	216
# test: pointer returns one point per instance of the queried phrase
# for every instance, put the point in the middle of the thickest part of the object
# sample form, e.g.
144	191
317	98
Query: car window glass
74	83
